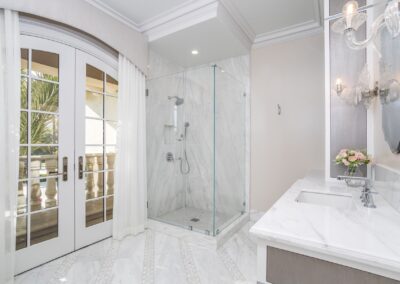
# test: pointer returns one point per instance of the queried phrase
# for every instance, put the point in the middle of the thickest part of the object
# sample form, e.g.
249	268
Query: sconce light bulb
350	10
339	86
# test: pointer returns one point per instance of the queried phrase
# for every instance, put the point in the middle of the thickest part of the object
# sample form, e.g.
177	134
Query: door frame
76	42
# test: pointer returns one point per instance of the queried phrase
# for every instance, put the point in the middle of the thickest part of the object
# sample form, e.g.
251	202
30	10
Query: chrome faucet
366	195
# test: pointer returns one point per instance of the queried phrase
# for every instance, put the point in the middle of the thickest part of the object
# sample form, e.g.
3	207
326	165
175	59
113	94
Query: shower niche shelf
169	134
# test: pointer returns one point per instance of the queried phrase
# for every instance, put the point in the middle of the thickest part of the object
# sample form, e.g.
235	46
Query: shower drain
195	220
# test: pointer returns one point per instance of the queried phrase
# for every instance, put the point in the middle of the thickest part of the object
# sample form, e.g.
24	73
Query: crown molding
226	18
175	13
193	12
113	13
304	29
178	21
292	32
237	17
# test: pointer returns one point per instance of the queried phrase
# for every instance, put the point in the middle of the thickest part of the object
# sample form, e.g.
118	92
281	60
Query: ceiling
220	44
217	28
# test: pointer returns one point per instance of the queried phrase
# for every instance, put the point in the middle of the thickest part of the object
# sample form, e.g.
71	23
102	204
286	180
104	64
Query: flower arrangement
352	159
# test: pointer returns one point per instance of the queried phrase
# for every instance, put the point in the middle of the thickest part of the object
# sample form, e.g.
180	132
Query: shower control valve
170	157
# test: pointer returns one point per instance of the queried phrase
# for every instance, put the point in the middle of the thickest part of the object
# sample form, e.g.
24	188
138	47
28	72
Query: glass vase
353	173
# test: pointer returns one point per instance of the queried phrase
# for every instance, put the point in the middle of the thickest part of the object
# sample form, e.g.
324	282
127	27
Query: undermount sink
337	201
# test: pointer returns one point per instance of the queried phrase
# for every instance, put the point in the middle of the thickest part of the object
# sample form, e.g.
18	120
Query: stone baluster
100	176
21	197
89	176
51	187
36	194
110	174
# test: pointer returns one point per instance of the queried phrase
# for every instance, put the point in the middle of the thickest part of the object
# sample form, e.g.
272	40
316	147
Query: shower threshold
189	222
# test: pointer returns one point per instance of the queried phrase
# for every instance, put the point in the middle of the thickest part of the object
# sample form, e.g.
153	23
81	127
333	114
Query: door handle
64	173
80	165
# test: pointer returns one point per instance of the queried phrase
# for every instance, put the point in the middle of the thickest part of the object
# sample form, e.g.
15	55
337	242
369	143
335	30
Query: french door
95	148
67	151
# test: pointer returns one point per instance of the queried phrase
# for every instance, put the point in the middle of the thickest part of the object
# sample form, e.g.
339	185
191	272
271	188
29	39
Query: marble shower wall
164	181
168	189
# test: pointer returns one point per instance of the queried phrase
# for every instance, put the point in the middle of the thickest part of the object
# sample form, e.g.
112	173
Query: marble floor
198	219
153	257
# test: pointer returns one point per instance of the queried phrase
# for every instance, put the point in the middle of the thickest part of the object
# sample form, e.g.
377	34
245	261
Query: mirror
390	78
391	125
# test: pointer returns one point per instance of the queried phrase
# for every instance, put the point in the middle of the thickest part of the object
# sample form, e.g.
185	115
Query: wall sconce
352	20
364	95
387	89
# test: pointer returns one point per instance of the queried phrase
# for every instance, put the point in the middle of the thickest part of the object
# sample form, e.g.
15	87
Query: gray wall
348	122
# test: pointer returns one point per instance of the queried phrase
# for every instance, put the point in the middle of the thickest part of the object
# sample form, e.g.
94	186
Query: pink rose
346	163
352	159
360	156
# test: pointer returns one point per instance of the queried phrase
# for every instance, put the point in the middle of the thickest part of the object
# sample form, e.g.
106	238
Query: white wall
83	16
285	148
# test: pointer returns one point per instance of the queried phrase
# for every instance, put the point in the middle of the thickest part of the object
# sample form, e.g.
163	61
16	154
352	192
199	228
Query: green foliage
44	96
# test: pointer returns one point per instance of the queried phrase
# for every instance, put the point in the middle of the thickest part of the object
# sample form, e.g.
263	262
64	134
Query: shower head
179	101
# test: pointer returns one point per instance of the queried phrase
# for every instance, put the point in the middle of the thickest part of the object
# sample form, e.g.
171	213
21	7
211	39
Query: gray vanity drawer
285	267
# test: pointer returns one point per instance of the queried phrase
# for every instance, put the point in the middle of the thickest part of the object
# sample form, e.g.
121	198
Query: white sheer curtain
131	180
9	138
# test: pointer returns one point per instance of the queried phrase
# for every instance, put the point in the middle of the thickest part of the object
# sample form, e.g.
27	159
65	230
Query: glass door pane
37	219
100	129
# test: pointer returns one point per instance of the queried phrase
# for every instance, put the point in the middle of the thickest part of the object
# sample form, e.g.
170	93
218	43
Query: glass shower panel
199	148
230	140
166	185
196	149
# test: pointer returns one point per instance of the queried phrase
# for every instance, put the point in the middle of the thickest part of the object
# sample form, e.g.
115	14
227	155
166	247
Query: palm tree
44	96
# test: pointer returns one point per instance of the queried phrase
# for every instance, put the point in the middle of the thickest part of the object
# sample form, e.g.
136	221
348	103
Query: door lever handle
64	173
80	165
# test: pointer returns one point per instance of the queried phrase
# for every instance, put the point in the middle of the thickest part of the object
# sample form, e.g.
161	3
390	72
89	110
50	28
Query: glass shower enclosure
196	149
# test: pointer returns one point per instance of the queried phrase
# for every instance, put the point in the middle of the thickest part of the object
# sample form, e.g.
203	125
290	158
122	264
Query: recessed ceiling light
195	52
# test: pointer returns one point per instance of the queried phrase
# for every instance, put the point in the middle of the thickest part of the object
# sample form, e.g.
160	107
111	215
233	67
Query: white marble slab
366	239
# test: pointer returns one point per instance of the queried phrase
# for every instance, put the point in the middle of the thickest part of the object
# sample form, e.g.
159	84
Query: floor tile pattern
153	257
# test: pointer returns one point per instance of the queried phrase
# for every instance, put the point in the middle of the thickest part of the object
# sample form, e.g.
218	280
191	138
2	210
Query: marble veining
366	237
153	257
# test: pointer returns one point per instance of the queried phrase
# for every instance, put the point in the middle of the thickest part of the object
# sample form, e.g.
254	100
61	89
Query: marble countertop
366	239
